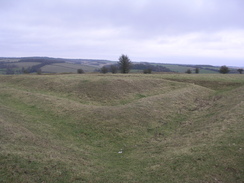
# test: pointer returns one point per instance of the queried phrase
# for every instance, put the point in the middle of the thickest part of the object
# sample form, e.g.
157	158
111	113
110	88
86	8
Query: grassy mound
121	128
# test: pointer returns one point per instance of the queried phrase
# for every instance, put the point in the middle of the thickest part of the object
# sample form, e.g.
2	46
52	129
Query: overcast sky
167	31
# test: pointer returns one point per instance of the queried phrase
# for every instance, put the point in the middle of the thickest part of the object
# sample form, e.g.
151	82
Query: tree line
12	69
223	70
124	65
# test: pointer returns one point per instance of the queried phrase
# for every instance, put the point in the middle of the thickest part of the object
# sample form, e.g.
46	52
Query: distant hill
48	65
19	65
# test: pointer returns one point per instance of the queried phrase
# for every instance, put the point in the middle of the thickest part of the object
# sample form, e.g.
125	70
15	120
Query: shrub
188	71
114	69
224	69
197	70
39	71
147	71
80	71
240	70
104	70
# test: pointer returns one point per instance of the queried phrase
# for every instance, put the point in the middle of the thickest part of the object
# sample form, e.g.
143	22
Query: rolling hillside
122	128
61	65
183	68
48	65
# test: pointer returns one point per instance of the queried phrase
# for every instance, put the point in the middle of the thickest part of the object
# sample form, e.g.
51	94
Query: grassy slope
66	67
18	64
52	68
183	69
9	59
171	127
26	64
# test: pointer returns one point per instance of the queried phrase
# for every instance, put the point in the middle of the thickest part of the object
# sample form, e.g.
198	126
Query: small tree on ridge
197	70
124	64
224	69
80	71
114	69
240	70
188	71
104	70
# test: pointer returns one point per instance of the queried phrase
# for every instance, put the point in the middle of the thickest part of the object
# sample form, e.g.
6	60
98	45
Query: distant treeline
42	60
8	68
205	67
155	68
11	68
141	66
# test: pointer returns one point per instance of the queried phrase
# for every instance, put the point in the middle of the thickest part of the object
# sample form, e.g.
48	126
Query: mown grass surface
169	127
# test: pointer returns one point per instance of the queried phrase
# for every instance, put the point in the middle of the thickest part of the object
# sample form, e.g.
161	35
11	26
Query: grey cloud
108	27
154	17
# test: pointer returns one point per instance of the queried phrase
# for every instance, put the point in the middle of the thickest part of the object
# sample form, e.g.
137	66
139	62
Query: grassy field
183	69
20	65
51	67
66	67
9	59
122	128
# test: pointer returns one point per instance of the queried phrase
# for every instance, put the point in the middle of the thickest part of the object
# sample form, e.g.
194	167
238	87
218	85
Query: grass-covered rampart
169	128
